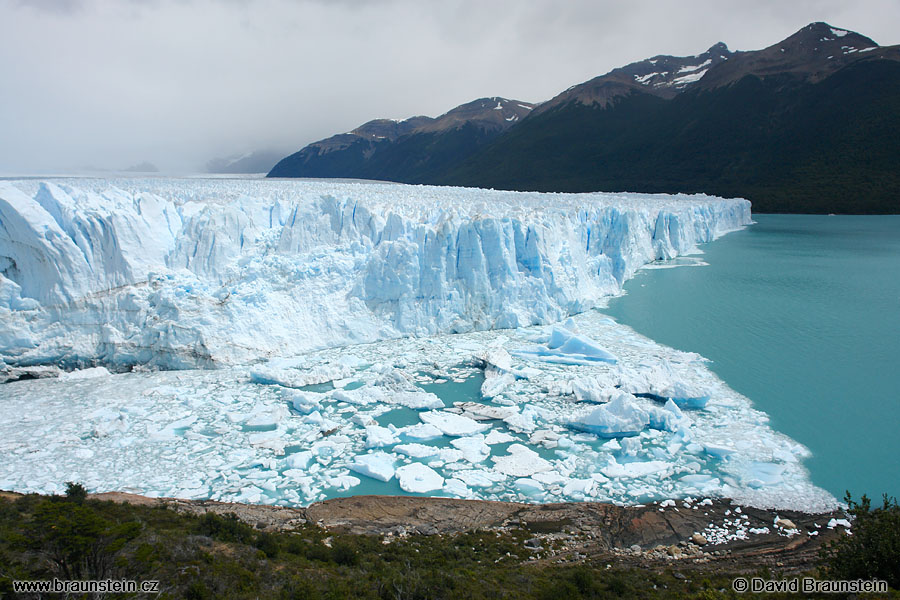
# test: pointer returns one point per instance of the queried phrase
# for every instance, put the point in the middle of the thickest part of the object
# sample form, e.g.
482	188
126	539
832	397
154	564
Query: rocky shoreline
682	534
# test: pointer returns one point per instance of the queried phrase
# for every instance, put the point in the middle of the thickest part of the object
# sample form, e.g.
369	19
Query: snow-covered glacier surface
367	338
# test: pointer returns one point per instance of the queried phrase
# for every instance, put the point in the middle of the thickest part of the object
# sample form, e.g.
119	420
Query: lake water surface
801	313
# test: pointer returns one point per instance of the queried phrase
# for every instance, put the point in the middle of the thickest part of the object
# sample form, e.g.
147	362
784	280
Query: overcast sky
176	82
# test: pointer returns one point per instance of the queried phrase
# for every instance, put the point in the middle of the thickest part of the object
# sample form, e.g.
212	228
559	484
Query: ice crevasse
182	273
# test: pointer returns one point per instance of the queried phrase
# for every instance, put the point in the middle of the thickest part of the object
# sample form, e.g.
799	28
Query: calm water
802	315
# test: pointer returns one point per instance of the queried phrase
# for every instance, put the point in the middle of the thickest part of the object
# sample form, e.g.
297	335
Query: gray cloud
176	82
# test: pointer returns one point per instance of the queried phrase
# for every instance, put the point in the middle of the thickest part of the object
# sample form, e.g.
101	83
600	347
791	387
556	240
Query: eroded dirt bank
661	535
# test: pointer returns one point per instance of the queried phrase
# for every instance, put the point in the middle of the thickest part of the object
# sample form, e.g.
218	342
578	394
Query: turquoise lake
800	313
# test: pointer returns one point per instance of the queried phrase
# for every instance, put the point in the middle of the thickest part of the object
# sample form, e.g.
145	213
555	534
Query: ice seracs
200	273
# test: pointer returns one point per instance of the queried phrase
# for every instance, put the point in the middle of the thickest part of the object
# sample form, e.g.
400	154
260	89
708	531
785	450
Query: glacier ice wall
182	273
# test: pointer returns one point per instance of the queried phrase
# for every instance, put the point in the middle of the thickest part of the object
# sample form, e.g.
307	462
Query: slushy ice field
284	342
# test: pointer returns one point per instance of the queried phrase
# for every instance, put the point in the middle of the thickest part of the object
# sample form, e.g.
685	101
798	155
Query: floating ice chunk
268	439
529	486
109	421
295	378
305	402
284	377
566	342
85	374
484	412
593	389
170	430
450	455
250	495
378	465
614	470
343	482
579	488
415	400
378	436
327	449
498	437
631	446
299	460
417	478
717	450
525	421
495	383
567	347
266	416
453	425
496	357
360	396
545	438
618	418
685	395
480	477
421	431
761	474
417	450
473	448
520	462
668	418
457	488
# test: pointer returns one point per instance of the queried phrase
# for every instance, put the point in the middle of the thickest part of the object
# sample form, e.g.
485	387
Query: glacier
283	342
181	273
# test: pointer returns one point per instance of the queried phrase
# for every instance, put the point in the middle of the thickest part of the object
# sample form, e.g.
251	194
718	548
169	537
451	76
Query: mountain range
810	124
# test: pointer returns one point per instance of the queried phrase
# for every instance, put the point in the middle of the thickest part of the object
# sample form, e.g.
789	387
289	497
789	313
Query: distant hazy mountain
411	150
811	124
260	161
144	167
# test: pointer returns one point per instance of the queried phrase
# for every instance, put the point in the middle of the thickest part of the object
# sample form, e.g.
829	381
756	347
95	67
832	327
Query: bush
78	541
873	549
75	492
227	528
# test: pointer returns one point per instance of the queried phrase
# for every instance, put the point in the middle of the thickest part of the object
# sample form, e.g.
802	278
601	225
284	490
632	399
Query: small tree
76	540
873	549
75	492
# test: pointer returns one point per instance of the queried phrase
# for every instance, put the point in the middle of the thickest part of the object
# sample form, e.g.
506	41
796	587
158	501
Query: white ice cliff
199	273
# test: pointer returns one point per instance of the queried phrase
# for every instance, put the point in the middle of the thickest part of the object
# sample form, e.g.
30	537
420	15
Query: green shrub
227	528
78	541
873	549
75	492
344	554
268	544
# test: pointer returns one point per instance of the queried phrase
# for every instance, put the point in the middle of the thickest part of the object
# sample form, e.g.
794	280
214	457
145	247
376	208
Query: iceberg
417	478
618	418
521	461
451	424
378	465
568	348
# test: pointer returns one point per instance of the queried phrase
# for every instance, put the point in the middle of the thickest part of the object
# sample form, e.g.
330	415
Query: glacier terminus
288	341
